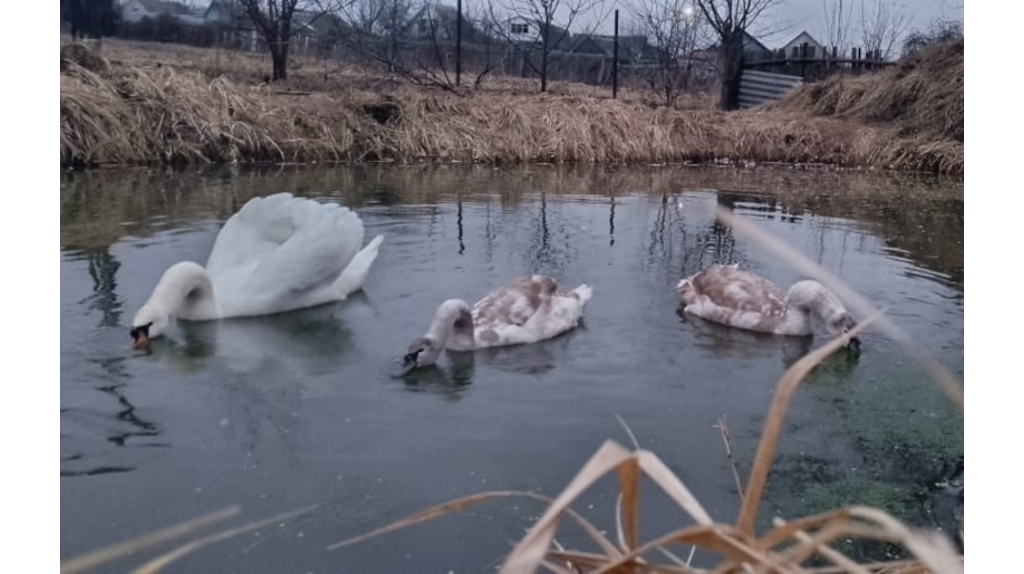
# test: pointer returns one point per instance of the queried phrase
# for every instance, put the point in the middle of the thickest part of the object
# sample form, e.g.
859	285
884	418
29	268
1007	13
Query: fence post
458	43
615	58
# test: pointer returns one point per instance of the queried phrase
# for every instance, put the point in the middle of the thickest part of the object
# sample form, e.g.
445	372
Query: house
528	31
234	28
225	13
632	49
753	49
794	48
310	29
135	10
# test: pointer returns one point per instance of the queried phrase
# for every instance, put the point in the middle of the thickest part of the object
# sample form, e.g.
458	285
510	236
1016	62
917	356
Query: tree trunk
544	71
544	57
279	57
732	70
76	23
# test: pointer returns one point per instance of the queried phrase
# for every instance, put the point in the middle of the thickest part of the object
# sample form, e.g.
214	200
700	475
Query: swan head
452	325
813	297
151	321
423	352
841	323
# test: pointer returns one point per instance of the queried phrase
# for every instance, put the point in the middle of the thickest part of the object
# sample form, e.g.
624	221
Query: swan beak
408	364
140	338
854	344
140	342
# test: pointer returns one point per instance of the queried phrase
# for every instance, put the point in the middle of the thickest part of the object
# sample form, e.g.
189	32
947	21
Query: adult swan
278	253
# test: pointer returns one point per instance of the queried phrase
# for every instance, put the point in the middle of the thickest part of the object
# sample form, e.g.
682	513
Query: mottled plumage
728	295
527	310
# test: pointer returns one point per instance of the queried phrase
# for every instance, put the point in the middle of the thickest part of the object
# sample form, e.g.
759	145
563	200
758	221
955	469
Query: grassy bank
172	105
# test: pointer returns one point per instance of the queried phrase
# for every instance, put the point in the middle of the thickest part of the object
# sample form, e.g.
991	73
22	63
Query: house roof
165	7
810	39
630	47
748	42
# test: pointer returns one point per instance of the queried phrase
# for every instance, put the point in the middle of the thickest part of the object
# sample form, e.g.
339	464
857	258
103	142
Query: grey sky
789	17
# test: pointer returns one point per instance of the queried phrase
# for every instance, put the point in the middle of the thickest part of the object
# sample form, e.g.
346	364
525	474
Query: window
520	28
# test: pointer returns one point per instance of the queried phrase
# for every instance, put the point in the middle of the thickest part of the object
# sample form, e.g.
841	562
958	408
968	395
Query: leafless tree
414	42
881	25
940	30
838	15
388	20
542	27
730	20
274	20
675	28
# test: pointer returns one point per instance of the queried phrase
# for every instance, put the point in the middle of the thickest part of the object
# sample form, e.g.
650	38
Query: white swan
278	253
728	295
527	310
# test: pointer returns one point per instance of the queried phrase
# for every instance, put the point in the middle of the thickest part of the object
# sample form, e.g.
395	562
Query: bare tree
382	26
837	15
881	25
730	19
542	27
675	29
413	42
939	30
274	20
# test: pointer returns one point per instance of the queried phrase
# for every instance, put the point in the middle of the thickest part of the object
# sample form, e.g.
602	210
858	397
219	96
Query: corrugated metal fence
757	88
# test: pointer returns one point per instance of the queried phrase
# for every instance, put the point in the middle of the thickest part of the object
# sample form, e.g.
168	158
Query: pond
277	413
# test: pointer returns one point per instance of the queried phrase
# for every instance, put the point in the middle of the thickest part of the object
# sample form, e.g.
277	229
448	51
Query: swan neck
185	291
451	316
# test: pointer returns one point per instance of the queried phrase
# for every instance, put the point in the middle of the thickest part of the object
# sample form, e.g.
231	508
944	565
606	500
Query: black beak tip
854	344
406	367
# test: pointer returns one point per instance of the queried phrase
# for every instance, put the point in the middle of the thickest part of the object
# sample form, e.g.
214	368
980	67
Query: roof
748	43
809	39
165	7
630	47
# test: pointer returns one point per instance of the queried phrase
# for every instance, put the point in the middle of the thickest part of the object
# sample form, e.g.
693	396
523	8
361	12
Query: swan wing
739	290
281	252
527	310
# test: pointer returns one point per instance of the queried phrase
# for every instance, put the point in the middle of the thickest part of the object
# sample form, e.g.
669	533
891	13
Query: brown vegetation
922	96
211	106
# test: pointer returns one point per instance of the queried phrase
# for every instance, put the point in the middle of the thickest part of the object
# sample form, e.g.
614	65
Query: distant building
632	49
135	10
793	48
527	31
752	48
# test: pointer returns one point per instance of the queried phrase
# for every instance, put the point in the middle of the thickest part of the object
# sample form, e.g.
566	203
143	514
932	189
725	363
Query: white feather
278	253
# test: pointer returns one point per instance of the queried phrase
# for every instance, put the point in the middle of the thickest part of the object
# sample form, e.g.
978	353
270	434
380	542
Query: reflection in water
453	379
611	220
128	427
462	245
723	341
449	382
283	404
283	343
103	270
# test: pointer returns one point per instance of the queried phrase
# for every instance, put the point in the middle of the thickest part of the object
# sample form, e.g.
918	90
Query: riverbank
162	104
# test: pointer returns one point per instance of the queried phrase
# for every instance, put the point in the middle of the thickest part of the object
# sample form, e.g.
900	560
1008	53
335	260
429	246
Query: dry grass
144	112
785	547
923	95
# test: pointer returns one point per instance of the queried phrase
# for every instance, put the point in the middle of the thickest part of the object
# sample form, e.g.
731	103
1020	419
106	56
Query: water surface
279	412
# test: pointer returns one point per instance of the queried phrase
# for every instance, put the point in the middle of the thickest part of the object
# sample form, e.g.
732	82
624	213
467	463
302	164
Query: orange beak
141	342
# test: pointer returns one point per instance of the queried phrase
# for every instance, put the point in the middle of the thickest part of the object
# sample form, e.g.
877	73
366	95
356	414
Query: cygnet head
452	316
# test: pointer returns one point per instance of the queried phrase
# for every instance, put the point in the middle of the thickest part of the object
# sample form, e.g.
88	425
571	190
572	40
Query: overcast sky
790	17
